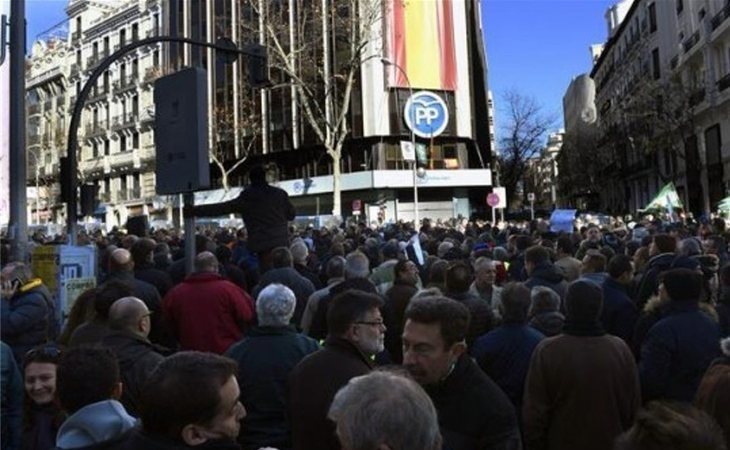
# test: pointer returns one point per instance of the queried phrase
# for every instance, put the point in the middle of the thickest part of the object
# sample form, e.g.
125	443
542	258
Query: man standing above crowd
207	312
356	334
266	211
473	412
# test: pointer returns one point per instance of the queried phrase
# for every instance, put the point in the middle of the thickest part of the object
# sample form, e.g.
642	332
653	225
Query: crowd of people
457	335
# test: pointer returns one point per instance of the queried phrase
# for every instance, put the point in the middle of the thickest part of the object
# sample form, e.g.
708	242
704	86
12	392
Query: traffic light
65	178
89	199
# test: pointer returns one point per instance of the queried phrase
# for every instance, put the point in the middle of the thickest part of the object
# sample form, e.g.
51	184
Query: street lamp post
416	219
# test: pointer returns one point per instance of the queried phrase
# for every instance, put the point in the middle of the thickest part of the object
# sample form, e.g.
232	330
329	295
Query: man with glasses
130	322
356	334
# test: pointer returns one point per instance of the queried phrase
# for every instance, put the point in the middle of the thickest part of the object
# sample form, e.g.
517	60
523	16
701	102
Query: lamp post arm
254	50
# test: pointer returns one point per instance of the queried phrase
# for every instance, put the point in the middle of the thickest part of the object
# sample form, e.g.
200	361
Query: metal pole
37	195
189	199
415	195
494	216
532	209
18	225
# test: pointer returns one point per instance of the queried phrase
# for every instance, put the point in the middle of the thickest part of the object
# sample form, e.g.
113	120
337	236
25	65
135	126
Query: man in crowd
266	210
679	348
396	301
473	412
335	271
458	281
356	334
142	253
283	272
130	322
582	387
485	275
619	313
594	267
191	400
207	312
92	332
88	387
300	254
542	272
661	252
265	358
28	311
565	261
385	410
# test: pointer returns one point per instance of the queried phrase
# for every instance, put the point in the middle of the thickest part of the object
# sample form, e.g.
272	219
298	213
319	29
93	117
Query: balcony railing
691	41
76	36
696	96
724	82
34	109
125	83
124	121
674	62
98	94
147	153
95	165
152	73
34	139
96	129
720	17
94	60
74	70
122	159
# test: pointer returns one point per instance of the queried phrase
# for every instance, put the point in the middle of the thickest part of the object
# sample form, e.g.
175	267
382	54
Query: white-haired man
265	358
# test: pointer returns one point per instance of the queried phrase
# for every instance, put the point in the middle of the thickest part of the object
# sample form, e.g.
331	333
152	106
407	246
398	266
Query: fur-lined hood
655	305
725	346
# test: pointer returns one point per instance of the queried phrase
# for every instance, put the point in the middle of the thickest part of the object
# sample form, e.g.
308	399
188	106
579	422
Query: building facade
679	50
268	126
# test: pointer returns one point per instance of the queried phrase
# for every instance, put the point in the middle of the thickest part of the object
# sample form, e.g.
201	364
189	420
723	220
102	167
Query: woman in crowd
41	416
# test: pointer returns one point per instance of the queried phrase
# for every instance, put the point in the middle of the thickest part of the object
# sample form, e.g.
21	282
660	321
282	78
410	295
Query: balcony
151	74
98	94
71	103
34	139
153	32
720	17
96	129
94	60
74	70
724	82
696	97
691	41
105	197
76	36
126	83
148	153
34	109
123	159
124	121
92	166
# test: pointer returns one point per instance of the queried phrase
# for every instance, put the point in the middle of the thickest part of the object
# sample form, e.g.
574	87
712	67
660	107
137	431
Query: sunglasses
49	351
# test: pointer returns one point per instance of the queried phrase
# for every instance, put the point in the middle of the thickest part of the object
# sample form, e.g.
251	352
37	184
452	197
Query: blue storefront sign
426	114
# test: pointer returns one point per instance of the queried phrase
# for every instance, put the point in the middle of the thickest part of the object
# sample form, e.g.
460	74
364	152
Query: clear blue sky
533	46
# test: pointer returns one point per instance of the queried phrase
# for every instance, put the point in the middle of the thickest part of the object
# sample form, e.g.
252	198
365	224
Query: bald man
130	322
121	268
206	312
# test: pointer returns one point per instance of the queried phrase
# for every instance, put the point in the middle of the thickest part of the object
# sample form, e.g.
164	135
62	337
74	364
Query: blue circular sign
426	114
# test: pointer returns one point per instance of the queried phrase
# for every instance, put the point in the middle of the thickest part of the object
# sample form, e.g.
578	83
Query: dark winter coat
313	384
546	274
266	212
619	313
138	439
677	351
473	412
723	313
28	319
516	270
309	275
504	354
290	278
266	357
159	334
89	333
318	329
137	359
11	399
581	392
396	302
160	279
208	313
548	323
649	280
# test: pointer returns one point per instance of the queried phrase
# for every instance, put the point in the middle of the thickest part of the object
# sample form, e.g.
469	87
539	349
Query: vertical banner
5	128
421	43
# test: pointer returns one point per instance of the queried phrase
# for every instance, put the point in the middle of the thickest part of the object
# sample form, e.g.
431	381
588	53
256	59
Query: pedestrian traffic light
89	199
258	66
65	178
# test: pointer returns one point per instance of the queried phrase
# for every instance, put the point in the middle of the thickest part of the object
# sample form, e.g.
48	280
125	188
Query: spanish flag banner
421	43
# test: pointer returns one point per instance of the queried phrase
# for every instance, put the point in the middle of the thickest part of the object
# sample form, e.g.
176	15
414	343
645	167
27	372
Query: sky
534	47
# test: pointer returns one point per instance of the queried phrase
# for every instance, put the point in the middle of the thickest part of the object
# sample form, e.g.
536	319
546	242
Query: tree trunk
336	186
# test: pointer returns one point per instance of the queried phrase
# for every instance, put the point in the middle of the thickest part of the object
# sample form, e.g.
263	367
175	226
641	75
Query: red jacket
207	313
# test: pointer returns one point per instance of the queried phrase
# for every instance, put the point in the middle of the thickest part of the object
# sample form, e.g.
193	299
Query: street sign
492	199
426	114
501	193
407	151
356	206
531	197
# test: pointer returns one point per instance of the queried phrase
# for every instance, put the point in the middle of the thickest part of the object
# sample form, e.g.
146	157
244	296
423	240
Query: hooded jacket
28	318
94	424
648	283
546	274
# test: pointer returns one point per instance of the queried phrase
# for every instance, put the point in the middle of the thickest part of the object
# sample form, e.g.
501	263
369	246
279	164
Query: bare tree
321	60
227	129
523	138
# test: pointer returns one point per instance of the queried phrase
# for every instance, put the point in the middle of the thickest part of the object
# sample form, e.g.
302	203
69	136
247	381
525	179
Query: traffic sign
492	199
531	197
356	205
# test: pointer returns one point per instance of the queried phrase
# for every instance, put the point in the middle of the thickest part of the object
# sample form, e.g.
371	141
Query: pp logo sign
426	114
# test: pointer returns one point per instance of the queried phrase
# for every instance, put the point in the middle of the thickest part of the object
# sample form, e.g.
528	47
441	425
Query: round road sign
492	199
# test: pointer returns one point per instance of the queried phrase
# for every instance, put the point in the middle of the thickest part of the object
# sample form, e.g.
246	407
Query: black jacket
482	317
619	314
160	279
266	211
138	439
396	301
290	278
473	412
265	358
648	283
318	329
313	384
137	359
546	274
146	292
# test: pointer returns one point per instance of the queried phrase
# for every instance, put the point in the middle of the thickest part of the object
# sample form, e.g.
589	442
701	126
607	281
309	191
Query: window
135	140
122	143
656	71
78	57
106	150
156	58
122	37
652	18
135	32
701	15
680	6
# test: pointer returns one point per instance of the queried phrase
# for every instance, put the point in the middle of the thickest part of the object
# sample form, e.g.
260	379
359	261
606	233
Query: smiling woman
42	416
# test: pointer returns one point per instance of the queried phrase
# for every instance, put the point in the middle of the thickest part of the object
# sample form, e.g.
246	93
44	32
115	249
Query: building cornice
608	46
113	21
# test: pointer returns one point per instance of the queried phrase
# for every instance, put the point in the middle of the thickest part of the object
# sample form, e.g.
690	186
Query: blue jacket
677	351
28	320
265	358
619	313
93	424
11	388
504	354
